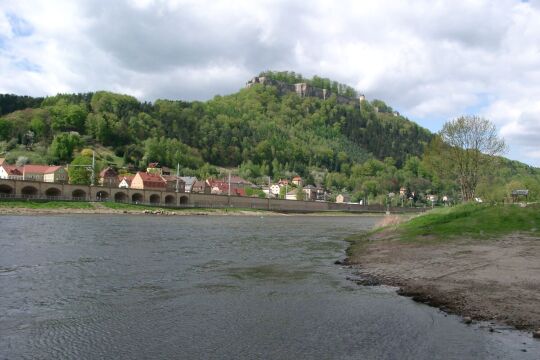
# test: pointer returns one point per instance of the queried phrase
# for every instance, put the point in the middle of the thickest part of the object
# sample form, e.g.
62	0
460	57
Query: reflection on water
88	287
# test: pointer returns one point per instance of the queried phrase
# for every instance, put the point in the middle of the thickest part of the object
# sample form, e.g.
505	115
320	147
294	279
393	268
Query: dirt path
496	279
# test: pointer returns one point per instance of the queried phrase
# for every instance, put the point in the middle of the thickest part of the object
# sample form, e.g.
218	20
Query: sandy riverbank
494	279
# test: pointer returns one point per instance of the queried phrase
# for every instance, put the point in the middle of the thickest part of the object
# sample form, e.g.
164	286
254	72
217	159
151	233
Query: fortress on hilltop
303	89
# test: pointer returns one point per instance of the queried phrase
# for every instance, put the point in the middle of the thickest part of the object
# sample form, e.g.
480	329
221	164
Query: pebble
467	320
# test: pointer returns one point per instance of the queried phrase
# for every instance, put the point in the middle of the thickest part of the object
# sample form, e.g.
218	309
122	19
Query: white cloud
432	61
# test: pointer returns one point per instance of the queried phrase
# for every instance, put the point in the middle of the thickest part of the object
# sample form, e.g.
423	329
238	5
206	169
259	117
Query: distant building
343	198
146	181
173	181
108	177
189	181
201	187
291	195
297	180
124	182
154	168
45	173
311	192
11	172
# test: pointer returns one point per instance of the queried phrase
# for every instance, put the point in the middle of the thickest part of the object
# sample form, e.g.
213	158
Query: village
161	178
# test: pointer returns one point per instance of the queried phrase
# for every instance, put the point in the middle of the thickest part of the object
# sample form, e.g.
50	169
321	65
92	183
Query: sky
431	60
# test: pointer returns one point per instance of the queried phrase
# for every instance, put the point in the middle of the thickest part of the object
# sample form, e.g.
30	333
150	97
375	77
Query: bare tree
473	145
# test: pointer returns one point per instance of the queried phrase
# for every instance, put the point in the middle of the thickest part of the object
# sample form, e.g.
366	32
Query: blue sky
430	60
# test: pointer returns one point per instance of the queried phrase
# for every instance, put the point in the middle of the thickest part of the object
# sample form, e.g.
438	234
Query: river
195	287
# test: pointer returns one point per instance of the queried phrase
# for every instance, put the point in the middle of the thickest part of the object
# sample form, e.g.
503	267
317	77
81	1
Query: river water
149	287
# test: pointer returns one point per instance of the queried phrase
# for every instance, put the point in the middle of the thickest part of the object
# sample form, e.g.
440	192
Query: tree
80	170
63	146
473	145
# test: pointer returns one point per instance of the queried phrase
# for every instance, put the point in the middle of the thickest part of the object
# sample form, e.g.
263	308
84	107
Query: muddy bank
494	279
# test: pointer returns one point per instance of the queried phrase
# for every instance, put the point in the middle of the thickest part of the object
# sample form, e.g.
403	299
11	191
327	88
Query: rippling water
143	287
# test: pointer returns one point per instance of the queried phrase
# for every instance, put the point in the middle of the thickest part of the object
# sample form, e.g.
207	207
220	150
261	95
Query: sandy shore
494	279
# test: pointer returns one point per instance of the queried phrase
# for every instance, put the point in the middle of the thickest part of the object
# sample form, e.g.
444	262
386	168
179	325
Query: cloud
432	61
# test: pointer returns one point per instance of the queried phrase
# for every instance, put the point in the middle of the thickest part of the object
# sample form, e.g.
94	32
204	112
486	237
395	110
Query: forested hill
256	127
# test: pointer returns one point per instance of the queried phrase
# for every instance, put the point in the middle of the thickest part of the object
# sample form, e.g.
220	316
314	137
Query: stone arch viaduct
19	189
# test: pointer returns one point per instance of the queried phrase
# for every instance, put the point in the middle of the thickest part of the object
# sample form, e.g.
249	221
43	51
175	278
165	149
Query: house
311	192
238	183
124	182
189	181
343	198
108	177
146	181
46	173
218	187
320	194
297	180
10	172
165	170
274	189
200	187
154	168
291	195
174	183
283	182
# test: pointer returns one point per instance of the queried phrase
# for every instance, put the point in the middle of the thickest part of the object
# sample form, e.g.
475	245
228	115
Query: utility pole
92	181
229	187
177	176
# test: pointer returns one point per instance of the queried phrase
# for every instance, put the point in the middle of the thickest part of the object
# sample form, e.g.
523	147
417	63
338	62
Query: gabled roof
12	169
237	180
40	169
189	180
128	178
2	160
297	178
154	180
108	171
172	178
153	165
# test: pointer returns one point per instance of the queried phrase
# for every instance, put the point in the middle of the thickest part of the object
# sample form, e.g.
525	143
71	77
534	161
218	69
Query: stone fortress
303	90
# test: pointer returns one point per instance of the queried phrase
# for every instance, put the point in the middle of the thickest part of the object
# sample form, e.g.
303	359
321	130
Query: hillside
358	146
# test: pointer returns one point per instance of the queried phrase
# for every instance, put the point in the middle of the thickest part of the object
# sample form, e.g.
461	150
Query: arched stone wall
154	199
137	198
53	192
184	200
29	190
6	189
170	200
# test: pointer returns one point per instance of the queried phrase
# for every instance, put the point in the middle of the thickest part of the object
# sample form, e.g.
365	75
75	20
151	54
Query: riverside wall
19	189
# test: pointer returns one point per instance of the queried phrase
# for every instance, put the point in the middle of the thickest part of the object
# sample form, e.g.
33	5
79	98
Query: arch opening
120	197
184	200
170	200
53	192
78	194
5	189
154	199
29	191
102	196
137	198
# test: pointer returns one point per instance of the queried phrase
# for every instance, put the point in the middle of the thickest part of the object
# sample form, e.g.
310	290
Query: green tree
63	146
80	170
473	146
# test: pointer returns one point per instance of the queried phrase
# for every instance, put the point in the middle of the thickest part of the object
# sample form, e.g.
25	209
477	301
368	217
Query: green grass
473	221
33	204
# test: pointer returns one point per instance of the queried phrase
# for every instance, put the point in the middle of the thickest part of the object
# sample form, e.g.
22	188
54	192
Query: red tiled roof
12	169
152	180
297	178
153	165
40	169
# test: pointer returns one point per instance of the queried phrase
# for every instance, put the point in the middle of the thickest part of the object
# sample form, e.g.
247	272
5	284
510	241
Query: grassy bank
468	221
472	221
34	204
